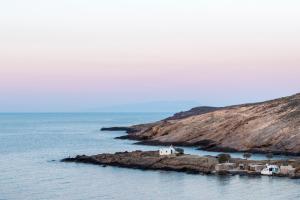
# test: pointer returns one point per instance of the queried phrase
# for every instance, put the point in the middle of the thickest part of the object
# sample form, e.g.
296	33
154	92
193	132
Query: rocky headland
270	126
151	160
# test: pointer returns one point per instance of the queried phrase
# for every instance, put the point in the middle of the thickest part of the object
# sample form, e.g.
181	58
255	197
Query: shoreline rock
118	128
200	147
151	160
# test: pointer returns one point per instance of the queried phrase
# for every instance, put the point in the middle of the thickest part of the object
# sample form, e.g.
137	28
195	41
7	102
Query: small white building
270	170
168	151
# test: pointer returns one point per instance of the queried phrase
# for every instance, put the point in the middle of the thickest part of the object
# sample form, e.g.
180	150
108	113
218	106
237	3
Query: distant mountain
270	126
155	106
194	111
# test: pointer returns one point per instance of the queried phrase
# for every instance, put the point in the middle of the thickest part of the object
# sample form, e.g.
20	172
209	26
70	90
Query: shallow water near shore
31	146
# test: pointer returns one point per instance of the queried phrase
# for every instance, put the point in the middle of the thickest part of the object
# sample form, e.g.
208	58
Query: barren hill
270	126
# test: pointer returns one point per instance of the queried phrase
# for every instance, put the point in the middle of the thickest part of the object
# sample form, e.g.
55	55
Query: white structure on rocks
270	170
170	151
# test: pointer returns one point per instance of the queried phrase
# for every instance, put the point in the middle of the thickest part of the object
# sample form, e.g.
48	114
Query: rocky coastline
265	127
118	128
205	145
151	160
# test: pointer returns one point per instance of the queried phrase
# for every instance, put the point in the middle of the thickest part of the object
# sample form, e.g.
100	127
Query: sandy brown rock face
261	127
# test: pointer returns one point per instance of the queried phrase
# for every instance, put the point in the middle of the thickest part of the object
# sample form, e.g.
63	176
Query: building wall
225	166
167	151
287	170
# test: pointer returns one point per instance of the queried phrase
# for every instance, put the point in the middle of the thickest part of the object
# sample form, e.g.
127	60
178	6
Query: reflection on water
31	146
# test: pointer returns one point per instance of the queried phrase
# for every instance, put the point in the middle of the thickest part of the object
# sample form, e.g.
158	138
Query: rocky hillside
271	126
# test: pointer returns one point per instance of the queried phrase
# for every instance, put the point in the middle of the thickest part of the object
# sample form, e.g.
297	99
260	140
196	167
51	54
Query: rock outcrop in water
151	160
270	126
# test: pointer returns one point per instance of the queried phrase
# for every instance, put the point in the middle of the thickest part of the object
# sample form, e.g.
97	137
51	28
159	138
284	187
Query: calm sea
31	146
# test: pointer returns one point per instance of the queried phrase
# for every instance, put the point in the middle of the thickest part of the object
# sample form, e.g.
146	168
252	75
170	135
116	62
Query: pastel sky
76	55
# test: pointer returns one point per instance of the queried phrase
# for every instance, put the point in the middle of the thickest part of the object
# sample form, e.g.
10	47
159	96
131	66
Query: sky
94	55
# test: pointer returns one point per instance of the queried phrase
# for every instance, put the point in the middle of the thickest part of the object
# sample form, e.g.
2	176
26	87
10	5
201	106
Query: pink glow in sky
66	55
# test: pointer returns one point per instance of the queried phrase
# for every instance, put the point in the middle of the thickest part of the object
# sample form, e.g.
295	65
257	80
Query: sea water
31	146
